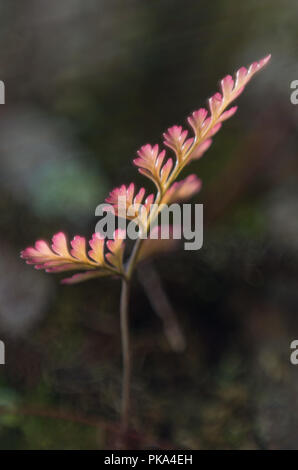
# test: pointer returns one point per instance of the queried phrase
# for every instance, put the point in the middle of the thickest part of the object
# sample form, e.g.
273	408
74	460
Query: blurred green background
87	83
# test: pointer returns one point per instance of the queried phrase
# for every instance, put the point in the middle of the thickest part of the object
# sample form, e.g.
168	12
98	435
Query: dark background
87	83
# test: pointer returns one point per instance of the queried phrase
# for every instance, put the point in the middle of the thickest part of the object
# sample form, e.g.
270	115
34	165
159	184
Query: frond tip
204	124
58	258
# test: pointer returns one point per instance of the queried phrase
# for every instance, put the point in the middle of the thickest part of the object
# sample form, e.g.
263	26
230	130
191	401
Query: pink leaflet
123	199
183	189
150	162
59	259
116	248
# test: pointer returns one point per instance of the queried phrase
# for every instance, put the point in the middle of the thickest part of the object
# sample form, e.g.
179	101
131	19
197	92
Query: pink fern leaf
81	277
128	204
57	258
151	164
176	139
182	190
54	258
199	151
97	249
79	249
205	124
116	248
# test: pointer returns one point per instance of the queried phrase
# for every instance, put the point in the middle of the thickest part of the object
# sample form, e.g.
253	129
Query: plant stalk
126	355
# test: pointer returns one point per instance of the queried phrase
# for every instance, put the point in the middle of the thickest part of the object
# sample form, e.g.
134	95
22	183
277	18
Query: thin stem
127	274
126	356
133	258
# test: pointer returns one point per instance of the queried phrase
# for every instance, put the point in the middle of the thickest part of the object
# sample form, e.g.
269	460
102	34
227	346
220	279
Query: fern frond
58	258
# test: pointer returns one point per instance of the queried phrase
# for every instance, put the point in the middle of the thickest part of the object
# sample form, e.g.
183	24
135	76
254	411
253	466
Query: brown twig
158	299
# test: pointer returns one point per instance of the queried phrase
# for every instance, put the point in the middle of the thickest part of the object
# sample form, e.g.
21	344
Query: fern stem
126	355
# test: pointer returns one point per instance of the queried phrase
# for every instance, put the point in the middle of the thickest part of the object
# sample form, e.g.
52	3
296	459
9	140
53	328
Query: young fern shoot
106	258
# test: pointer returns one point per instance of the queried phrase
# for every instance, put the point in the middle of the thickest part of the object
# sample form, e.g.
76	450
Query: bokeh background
87	83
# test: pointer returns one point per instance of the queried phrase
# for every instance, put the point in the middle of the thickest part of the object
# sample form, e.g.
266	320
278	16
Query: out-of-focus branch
158	299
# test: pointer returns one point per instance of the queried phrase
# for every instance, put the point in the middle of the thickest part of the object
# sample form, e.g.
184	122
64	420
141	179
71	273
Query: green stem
126	356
